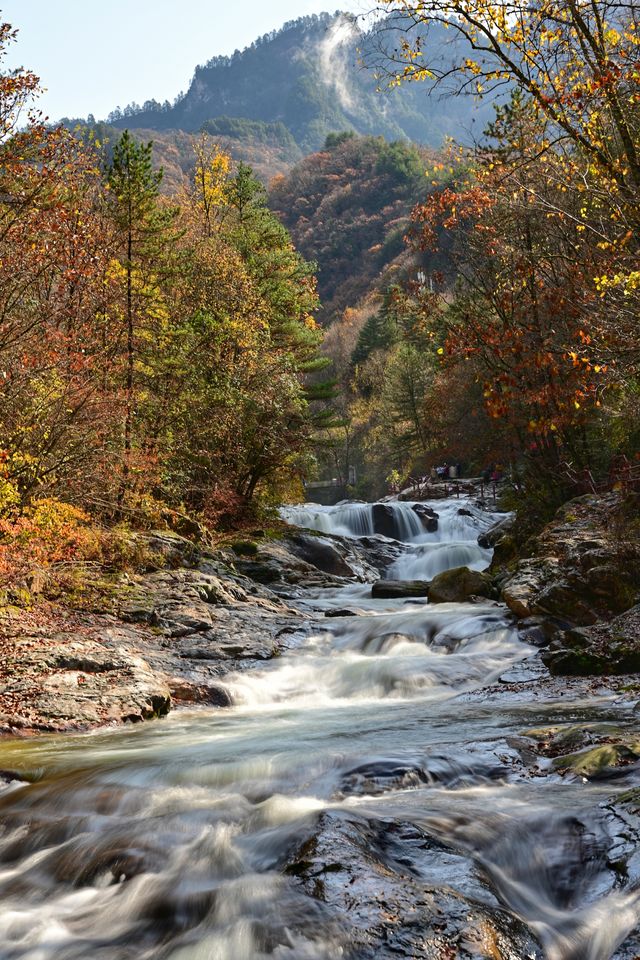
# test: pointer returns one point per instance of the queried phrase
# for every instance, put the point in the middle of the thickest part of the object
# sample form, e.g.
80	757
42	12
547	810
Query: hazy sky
94	55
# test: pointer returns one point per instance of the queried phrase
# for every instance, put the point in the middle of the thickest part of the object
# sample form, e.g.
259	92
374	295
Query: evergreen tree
145	231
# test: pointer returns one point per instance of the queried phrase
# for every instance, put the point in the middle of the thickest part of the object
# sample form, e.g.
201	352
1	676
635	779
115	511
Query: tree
144	232
546	214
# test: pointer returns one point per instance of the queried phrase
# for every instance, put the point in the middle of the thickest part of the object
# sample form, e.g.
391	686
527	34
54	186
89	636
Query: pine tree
145	232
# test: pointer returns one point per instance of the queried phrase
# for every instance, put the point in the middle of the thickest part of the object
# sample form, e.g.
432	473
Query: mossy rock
597	760
457	585
558	740
245	548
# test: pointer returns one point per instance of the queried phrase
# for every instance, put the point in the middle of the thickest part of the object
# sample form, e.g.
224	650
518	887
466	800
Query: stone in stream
389	886
428	516
392	589
384	520
494	534
459	584
322	553
214	695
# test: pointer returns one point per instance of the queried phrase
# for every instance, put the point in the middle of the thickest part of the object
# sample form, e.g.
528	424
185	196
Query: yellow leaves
626	282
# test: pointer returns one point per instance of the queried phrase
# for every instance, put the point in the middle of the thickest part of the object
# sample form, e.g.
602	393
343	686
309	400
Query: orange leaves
446	209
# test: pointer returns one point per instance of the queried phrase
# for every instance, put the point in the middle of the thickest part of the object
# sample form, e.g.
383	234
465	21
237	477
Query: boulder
393	589
428	516
384	520
459	584
490	537
386	893
611	648
522	587
215	695
324	554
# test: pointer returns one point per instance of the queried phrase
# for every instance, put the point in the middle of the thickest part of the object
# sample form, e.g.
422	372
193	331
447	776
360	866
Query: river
174	839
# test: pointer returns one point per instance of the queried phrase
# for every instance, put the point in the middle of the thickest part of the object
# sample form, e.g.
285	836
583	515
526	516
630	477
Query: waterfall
398	520
453	544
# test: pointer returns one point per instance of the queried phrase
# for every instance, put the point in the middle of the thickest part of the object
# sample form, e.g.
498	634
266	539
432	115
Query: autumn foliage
153	350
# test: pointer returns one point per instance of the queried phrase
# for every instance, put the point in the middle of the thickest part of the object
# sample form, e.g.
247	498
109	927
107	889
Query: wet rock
384	520
380	776
459	584
392	589
601	762
328	556
532	631
214	696
10	776
390	884
428	516
589	750
379	553
604	648
495	534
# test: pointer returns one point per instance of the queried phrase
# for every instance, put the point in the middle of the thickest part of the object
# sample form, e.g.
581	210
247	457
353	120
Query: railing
425	486
623	475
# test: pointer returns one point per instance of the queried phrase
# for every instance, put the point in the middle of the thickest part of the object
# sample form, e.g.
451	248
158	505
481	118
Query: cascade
377	757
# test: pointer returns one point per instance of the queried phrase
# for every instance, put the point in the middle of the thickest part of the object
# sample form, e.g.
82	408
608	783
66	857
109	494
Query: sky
94	55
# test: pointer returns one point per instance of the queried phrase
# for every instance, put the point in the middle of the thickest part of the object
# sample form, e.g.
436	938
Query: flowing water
170	840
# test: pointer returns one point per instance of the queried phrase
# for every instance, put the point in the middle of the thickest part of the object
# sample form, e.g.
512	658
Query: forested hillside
267	148
154	349
530	358
308	79
348	208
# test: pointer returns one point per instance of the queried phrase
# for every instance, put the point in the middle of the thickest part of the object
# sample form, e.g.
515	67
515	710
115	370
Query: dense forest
529	356
153	348
161	348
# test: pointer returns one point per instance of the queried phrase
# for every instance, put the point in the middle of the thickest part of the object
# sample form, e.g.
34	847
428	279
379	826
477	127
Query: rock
384	520
532	631
261	572
324	554
602	649
459	584
389	889
176	550
214	696
599	762
245	548
490	537
521	589
579	573
59	682
428	516
378	553
392	589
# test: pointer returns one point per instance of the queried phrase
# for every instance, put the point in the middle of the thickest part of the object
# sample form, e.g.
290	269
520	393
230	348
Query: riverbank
350	773
170	632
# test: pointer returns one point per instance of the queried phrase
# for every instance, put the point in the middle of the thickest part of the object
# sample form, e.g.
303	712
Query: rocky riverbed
359	767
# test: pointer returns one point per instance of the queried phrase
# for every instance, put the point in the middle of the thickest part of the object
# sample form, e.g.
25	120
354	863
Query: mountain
347	208
306	80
